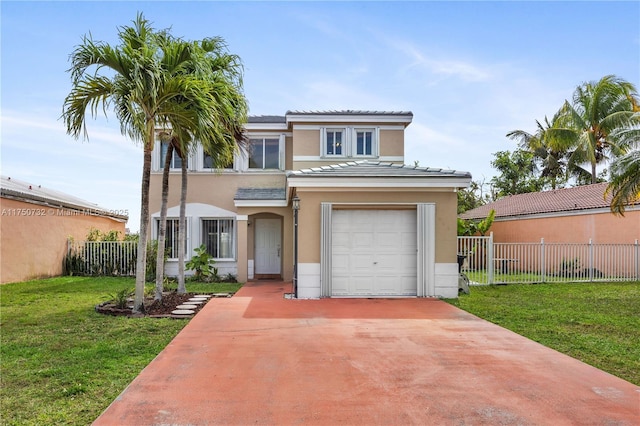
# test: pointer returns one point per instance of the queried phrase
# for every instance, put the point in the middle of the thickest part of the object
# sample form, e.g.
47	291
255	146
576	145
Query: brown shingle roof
567	199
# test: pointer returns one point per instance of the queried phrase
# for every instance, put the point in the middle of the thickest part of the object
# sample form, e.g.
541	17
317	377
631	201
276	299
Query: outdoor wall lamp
295	205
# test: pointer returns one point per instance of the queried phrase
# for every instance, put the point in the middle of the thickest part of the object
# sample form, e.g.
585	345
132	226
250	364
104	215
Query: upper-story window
364	142
176	160
264	153
334	142
349	142
207	162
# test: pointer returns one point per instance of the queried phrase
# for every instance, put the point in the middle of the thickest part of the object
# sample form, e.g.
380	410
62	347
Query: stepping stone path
187	309
183	312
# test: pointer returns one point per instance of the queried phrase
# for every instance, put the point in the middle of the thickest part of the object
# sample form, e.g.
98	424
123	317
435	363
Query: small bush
121	298
202	263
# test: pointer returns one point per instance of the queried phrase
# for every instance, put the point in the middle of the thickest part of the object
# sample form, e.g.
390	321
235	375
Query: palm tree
624	185
625	182
223	71
589	125
217	125
139	79
162	225
552	159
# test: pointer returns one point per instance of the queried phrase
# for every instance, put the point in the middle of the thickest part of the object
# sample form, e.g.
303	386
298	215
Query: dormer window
364	142
334	142
351	142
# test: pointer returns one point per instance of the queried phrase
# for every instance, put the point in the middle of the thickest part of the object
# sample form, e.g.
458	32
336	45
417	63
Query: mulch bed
154	308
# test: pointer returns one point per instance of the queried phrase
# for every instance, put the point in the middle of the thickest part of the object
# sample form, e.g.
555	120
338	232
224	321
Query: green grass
61	362
597	323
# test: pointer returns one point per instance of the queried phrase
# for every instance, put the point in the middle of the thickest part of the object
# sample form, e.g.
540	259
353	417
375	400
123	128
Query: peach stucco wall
599	227
310	214
34	239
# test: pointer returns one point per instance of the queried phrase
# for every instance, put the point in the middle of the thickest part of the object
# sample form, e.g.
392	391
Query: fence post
637	260
543	266
490	259
591	263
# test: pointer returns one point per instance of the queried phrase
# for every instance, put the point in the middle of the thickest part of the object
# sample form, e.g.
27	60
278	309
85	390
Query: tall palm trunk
162	228
182	227
138	303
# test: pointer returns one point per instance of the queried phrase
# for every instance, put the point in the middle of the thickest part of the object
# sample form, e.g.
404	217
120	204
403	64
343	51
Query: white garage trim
325	250
425	253
426	214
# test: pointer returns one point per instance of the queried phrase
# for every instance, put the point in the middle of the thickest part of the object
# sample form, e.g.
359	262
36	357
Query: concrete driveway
258	358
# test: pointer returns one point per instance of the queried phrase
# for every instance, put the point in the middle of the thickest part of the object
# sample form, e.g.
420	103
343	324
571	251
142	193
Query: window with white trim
350	142
365	140
207	162
176	160
218	237
264	153
334	140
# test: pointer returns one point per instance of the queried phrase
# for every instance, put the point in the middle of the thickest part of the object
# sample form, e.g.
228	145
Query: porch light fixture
295	205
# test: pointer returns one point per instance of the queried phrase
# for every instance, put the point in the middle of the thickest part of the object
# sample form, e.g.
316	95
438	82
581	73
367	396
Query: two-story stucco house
367	225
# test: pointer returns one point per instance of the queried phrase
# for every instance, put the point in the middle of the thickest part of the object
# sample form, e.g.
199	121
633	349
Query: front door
268	247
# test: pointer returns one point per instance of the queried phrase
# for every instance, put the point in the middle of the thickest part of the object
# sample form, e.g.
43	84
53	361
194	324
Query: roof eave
89	210
314	181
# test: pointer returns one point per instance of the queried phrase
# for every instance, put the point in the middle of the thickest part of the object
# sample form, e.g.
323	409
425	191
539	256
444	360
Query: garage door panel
408	285
409	242
340	285
374	253
388	242
387	286
340	263
341	241
361	286
362	262
362	241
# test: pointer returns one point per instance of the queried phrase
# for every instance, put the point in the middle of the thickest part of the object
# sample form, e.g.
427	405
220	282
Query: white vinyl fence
487	262
105	258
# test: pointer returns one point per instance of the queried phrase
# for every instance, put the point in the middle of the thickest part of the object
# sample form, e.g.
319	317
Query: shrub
202	263
121	298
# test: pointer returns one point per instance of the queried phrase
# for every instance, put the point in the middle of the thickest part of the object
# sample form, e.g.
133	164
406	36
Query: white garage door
373	253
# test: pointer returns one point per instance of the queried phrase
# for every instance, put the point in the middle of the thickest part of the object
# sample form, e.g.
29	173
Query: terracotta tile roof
568	199
24	191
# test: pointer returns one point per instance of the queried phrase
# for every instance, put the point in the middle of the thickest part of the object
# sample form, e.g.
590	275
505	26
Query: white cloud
106	171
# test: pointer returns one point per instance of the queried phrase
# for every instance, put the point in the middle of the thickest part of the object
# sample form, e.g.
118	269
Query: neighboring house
36	223
569	215
368	225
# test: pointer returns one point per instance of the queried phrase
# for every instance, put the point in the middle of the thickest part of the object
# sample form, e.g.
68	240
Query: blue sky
469	71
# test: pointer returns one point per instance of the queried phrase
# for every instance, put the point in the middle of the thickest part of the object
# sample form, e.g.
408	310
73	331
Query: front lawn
597	323
63	363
